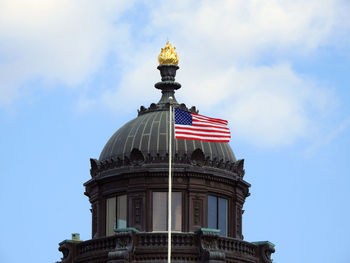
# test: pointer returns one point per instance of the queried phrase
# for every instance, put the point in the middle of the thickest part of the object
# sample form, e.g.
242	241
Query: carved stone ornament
265	248
208	245
137	159
124	247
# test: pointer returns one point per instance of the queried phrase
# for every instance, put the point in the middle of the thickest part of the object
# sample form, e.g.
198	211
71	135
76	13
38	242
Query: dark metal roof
149	134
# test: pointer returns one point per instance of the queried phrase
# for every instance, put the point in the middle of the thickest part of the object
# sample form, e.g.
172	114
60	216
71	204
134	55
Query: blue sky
73	72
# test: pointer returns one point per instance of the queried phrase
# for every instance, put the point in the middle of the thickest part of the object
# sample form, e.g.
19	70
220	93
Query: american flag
193	126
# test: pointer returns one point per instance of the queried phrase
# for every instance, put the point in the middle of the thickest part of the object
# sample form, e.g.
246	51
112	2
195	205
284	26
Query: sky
72	72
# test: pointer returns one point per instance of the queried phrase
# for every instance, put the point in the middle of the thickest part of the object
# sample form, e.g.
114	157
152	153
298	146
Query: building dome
141	202
148	134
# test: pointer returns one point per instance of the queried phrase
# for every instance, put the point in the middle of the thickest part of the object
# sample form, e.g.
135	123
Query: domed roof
148	133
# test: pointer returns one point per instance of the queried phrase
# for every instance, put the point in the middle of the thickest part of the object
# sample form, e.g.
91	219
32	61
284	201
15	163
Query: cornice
150	162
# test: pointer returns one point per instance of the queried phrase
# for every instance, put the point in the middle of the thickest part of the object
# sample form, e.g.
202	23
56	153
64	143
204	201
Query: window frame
218	213
114	199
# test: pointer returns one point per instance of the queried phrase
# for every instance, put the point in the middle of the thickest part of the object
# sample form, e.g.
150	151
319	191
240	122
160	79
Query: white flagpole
170	179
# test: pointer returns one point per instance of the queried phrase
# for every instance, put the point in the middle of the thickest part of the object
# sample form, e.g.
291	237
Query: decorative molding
264	251
238	221
129	245
137	212
208	246
197	212
123	251
137	159
94	219
68	248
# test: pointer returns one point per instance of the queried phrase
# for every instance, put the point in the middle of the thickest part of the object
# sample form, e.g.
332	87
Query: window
121	211
110	215
217	214
160	211
115	213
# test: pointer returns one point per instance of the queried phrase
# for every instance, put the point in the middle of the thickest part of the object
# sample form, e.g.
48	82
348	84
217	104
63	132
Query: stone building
129	186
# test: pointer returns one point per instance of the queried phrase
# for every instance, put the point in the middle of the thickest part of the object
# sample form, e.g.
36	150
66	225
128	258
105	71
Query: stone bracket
208	245
264	251
124	246
68	249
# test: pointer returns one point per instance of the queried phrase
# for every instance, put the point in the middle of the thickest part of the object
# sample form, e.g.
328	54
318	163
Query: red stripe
203	135
210	121
202	130
209	126
197	139
209	118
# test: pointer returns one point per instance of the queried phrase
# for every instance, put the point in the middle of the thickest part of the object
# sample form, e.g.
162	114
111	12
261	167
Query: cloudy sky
72	72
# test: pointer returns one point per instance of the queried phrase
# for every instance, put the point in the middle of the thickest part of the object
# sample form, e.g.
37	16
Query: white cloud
271	107
242	29
220	44
62	41
266	105
137	82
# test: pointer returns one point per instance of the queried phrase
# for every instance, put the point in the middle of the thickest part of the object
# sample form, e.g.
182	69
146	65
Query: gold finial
168	55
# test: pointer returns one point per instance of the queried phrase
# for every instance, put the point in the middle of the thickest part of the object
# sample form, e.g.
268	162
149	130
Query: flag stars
183	117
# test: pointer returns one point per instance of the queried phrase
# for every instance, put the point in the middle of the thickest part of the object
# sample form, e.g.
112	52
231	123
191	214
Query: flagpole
170	178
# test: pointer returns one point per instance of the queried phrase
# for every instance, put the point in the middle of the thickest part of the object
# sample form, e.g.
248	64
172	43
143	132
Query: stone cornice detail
98	167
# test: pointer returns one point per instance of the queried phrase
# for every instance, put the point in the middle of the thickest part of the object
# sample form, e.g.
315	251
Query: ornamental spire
168	61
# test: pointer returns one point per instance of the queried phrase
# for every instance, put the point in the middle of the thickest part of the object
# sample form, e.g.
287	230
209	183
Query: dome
148	134
146	137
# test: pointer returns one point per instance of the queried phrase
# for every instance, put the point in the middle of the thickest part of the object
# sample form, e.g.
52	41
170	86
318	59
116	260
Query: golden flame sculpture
168	55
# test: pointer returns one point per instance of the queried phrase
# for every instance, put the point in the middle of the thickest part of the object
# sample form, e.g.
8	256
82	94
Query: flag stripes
193	126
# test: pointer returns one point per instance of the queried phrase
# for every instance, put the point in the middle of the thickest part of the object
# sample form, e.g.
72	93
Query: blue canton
183	117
